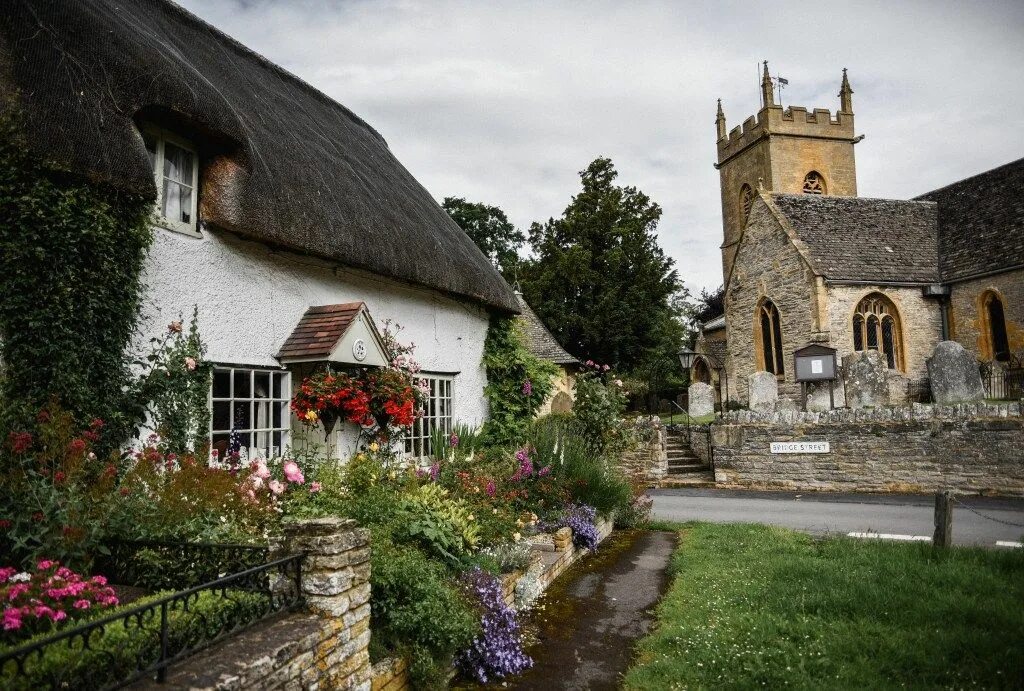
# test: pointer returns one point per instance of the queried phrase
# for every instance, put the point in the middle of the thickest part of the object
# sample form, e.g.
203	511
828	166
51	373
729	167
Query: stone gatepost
701	400
336	587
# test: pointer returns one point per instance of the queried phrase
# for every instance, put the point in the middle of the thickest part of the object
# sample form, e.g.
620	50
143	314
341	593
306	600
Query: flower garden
443	529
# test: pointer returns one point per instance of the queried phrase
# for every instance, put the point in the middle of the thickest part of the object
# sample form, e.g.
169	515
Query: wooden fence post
943	519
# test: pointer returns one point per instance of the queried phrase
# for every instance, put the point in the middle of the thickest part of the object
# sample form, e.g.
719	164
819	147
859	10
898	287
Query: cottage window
876	326
176	169
814	183
769	338
995	315
437	416
250	405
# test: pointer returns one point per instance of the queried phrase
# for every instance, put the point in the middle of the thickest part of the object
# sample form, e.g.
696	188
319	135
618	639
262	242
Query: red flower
20	441
43	416
96	424
59	477
124	491
5	524
77	446
38	517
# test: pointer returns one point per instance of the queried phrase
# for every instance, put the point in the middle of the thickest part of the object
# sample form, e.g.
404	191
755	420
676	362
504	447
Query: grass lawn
678	418
756	606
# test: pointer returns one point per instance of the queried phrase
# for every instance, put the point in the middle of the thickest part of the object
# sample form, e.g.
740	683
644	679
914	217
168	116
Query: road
835	513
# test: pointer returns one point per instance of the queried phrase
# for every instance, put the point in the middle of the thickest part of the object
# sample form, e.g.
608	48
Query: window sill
181	229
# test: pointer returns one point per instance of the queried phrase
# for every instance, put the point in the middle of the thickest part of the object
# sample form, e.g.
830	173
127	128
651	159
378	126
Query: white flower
21	577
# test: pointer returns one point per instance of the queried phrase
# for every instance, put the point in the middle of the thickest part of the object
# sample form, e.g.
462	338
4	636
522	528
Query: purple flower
580	518
453	440
544	471
525	469
527	387
498	651
491	489
435	471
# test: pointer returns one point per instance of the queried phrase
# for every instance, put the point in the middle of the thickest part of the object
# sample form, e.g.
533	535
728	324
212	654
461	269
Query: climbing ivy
518	382
71	257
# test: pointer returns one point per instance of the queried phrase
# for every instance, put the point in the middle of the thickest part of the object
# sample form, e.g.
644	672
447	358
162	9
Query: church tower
786	150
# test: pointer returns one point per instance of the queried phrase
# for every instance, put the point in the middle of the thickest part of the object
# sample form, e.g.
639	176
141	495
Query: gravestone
818	398
954	374
866	376
764	392
702	399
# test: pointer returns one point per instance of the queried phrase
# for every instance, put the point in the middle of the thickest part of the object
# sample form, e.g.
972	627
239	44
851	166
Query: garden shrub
497	651
518	382
598	408
114	652
580	518
71	259
439	522
418	610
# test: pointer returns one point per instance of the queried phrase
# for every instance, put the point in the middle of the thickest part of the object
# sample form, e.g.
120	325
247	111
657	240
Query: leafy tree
490	229
600	281
709	306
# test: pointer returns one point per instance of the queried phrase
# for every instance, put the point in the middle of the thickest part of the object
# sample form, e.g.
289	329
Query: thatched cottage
272	199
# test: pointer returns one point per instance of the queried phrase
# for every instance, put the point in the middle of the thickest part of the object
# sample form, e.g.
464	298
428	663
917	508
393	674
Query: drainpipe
941	293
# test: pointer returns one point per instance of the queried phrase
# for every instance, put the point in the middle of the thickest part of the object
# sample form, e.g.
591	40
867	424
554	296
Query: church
807	261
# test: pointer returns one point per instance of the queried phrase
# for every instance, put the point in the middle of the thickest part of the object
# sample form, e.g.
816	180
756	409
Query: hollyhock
527	387
174	327
293	473
276	487
190	363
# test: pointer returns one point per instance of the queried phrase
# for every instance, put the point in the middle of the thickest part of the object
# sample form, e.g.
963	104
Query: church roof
981	222
282	162
539	340
858	239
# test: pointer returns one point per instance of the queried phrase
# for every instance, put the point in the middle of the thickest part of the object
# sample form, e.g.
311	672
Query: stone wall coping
959	412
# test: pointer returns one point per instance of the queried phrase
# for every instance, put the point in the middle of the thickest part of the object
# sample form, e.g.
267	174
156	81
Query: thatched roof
282	162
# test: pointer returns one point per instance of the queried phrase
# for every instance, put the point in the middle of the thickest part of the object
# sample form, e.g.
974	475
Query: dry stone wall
976	448
647	462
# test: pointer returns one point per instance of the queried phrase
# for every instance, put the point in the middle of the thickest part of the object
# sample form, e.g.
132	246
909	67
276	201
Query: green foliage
763	607
176	386
71	257
518	383
418	610
600	281
597	412
439	522
113	653
490	229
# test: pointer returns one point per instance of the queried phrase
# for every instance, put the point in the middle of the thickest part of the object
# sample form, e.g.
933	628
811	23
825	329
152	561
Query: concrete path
593	614
902	516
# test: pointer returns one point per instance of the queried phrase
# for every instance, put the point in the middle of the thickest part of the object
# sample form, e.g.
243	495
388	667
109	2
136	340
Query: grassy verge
756	606
680	418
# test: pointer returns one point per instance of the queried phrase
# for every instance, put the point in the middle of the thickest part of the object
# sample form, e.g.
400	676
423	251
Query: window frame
995	352
284	400
163	137
767	309
822	184
870	317
418	437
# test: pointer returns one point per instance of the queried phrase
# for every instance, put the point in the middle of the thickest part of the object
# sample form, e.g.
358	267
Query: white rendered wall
250	298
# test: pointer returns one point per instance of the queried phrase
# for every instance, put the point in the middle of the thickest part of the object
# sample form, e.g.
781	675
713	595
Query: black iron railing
1003	383
142	641
161	565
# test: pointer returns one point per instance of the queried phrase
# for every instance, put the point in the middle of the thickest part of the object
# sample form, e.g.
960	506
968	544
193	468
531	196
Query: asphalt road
832	513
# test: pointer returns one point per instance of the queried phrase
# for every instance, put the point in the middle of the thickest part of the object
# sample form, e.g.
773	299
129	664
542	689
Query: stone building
543	345
805	260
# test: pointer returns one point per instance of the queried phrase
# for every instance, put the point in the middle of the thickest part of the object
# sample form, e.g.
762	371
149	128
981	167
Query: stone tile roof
540	342
319	330
858	239
714	324
717	348
981	222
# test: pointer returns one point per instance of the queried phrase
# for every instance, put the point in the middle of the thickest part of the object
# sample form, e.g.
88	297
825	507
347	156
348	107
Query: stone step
687	470
681	456
703	480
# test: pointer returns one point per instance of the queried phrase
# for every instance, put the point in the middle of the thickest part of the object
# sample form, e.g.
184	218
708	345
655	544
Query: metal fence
141	642
1003	383
163	565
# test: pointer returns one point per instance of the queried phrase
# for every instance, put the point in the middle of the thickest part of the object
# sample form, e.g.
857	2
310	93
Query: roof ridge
970	177
822	197
267	62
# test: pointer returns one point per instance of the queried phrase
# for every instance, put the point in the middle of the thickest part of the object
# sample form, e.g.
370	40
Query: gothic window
769	338
876	326
814	183
995	315
746	201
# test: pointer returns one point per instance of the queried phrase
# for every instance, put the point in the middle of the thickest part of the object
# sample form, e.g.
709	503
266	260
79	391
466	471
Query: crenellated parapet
795	121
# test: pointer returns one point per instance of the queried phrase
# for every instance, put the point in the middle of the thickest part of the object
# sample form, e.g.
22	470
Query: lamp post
686	358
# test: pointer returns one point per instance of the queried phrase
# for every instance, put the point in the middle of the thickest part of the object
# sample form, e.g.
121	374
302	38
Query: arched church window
814	183
746	201
876	326
995	315
769	338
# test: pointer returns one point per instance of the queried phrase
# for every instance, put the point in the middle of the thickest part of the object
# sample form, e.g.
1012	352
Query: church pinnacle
767	90
720	121
845	95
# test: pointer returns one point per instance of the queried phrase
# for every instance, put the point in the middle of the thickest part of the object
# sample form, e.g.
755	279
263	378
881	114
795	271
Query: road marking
1007	543
891	536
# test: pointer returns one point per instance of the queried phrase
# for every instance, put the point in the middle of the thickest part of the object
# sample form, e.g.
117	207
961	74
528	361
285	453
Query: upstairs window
995	315
769	338
176	169
814	183
876	326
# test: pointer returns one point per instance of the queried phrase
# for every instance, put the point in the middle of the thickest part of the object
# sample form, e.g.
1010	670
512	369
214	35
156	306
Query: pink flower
605	368
314	487
262	471
6	573
82	604
98	580
293	473
276	487
527	387
190	363
45	564
12	619
618	383
174	327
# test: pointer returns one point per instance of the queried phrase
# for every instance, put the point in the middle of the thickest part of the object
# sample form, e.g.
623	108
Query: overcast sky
505	103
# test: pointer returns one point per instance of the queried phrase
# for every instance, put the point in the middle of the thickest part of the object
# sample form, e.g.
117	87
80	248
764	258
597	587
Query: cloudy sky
505	102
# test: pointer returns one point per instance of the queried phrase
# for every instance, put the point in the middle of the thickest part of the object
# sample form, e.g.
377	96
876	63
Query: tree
709	306
490	229
598	278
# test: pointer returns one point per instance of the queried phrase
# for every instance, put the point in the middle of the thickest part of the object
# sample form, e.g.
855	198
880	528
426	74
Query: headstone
954	374
764	392
866	375
818	398
702	399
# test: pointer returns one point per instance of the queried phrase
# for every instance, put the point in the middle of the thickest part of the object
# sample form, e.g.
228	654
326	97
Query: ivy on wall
71	257
518	382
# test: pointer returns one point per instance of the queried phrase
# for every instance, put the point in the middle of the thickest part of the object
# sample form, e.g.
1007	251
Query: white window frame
163	136
437	413
283	399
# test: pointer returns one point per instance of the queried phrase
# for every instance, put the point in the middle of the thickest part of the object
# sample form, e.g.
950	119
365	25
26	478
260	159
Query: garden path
590	618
